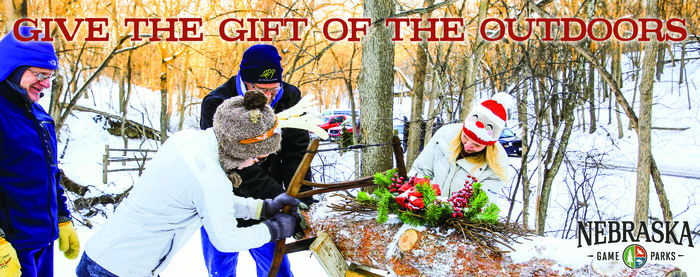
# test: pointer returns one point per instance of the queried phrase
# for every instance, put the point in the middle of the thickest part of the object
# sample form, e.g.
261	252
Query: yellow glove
9	265
68	240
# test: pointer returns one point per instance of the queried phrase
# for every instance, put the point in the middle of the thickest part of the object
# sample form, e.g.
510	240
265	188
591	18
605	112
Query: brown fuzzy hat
244	128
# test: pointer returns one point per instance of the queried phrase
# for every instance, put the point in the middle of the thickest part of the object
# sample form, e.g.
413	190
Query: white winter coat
433	162
183	188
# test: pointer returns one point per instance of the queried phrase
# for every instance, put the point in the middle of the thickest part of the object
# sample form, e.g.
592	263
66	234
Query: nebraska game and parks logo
635	255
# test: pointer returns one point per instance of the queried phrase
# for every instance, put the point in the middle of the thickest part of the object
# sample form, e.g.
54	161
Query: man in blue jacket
260	69
33	211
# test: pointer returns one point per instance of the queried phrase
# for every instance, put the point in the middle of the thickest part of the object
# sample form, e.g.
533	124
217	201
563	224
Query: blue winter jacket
31	197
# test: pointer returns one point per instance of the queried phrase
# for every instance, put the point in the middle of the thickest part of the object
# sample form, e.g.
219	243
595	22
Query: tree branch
82	89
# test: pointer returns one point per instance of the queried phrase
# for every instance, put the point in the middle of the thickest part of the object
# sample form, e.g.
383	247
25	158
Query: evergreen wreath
415	202
470	203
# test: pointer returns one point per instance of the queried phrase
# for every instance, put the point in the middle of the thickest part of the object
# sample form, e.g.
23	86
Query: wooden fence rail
108	159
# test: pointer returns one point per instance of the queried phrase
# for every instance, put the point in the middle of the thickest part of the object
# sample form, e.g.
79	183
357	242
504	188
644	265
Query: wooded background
556	85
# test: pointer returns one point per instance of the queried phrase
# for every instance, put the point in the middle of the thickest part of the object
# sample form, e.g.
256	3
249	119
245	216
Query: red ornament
461	198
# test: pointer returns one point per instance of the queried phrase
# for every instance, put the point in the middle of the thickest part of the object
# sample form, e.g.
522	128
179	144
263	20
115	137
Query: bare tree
641	207
553	160
375	84
124	96
81	91
414	131
13	11
472	63
523	119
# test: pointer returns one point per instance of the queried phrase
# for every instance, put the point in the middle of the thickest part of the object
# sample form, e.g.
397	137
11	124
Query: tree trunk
376	82
434	107
414	132
636	84
591	98
13	11
124	102
56	90
164	94
417	104
523	118
551	171
660	61
641	207
617	76
682	70
183	94
472	64
164	120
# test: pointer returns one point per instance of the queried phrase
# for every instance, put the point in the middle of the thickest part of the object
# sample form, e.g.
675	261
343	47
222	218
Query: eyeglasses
41	76
265	90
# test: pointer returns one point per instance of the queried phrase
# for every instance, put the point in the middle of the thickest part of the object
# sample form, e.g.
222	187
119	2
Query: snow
83	140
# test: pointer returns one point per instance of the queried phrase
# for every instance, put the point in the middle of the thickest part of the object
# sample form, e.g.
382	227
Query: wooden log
419	251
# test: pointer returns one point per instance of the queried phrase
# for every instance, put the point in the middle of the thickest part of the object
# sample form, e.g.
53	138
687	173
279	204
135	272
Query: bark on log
418	251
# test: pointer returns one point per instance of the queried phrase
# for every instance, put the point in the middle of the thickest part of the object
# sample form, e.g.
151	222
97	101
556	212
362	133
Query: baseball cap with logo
261	64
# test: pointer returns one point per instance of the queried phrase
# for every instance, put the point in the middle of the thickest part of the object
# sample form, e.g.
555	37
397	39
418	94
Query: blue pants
224	263
89	268
36	262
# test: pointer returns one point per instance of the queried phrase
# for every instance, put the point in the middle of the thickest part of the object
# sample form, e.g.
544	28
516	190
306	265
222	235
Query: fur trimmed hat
245	128
486	121
261	64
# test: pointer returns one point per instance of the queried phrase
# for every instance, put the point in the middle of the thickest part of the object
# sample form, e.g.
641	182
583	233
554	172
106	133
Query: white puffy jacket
433	162
183	188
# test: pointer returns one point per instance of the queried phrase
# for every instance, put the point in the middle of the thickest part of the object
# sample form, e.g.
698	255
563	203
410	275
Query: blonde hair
490	157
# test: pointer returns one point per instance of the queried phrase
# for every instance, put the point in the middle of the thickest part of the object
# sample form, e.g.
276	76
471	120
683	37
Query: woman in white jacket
471	149
188	184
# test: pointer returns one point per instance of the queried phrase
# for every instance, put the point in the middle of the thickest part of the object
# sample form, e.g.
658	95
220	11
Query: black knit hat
245	128
261	64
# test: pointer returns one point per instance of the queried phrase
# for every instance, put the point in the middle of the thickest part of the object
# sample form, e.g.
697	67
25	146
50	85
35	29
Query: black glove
273	206
281	226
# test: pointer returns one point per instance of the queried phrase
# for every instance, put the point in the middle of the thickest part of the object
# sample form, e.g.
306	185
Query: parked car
335	132
511	143
332	121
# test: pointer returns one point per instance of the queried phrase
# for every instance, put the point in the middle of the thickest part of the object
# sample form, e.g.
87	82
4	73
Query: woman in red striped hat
460	151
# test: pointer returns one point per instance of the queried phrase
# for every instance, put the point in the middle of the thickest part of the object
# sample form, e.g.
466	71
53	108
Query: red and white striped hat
486	120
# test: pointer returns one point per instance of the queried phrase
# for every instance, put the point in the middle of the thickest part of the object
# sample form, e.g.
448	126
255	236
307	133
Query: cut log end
409	239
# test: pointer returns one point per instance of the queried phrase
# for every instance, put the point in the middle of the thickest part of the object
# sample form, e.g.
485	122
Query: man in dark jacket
33	207
260	69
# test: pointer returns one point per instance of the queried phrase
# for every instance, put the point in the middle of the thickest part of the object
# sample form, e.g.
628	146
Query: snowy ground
82	146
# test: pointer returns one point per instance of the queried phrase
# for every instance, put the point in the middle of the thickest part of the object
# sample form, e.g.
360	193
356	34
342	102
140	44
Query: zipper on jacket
11	230
162	259
42	133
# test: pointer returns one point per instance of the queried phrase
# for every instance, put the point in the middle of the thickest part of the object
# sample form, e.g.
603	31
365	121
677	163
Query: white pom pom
504	99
